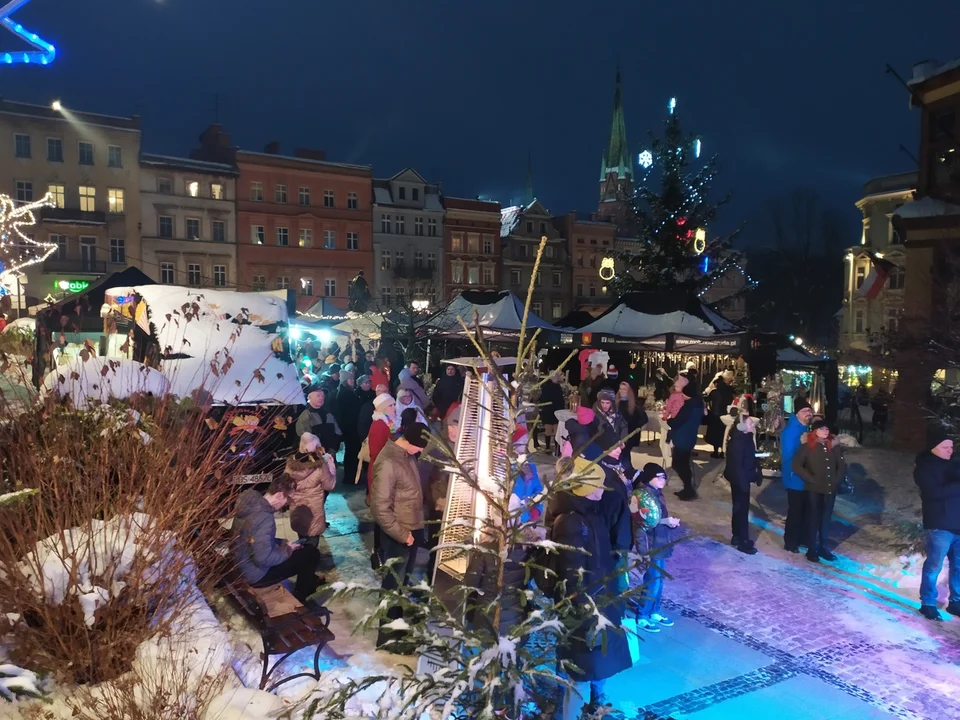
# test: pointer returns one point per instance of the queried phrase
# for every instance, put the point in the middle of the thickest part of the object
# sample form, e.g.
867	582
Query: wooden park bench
284	623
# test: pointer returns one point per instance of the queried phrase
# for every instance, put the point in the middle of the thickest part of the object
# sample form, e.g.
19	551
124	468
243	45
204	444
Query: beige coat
307	517
397	499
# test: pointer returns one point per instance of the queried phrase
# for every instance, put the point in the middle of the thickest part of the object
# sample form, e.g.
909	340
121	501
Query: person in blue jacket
683	434
793	532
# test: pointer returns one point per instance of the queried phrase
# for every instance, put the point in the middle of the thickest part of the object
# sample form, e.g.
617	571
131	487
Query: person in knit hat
383	427
580	431
938	478
348	416
819	463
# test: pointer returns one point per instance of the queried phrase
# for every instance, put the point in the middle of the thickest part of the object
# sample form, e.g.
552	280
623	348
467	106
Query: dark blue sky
788	94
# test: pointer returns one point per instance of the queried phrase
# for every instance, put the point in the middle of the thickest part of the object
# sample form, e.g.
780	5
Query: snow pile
847	441
244	704
98	379
254	376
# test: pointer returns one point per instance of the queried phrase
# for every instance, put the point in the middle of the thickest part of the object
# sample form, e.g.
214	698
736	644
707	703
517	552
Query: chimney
272	148
310	154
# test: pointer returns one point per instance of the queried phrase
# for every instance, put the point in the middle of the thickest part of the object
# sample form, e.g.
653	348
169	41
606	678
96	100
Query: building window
543	229
548	251
401	225
386	259
557	311
259	282
193	188
256	191
58	195
861	275
164	186
118	252
515	278
88	253
328	199
54	150
257	235
537	309
593	262
557	279
165	226
579	259
168	275
220	276
432	294
283	282
283	237
538	278
401	296
353	241
329	240
487	244
330	287
399	258
418	259
115	200
306	238
456	275
114	156
431	260
415	193
219	231
418	225
24	191
473	243
304	196
593	290
487	275
473	275
403	192
21	145
524	251
893	319
88	198
85	152
858	320
386	296
280	194
579	290
529	227
306	286
432	227
193	275
456	242
61	242
216	191
384	223
352	201
898	278
193	228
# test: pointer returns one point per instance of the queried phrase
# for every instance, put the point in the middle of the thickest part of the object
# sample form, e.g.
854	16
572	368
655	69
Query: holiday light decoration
607	268
645	159
43	54
700	241
672	105
18	251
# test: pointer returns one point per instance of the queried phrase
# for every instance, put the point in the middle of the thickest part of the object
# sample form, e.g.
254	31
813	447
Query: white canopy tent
497	313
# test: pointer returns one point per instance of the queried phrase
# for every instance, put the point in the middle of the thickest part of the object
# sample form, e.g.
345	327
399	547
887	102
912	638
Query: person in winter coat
632	411
407	399
590	385
742	471
449	389
348	407
382	429
482	571
551	400
580	431
820	463
317	419
527	484
655	543
397	507
365	391
684	428
262	558
939	481
671	407
795	528
719	400
608	414
315	475
409	383
379	373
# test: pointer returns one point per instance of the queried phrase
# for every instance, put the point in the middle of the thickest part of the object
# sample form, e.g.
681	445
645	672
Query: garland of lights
18	251
43	54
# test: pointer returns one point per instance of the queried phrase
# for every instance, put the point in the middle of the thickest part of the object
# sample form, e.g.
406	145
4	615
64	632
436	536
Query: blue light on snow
672	105
44	53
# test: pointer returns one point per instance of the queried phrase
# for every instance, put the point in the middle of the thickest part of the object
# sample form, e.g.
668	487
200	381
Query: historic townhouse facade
471	245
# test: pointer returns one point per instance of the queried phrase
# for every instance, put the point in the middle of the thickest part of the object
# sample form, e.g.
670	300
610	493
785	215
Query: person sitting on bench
262	558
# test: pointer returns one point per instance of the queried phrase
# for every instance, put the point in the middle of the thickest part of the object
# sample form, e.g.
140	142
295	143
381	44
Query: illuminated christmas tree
17	249
670	220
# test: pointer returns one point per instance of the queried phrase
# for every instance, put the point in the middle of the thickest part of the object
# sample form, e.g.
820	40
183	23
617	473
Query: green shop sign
73	286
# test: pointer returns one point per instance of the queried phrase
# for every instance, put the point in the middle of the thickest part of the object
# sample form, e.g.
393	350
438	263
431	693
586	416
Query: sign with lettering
73	286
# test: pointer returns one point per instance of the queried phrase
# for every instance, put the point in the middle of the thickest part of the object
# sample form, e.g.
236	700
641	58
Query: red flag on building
880	270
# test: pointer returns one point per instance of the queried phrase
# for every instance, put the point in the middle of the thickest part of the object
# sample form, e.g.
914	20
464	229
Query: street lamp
421	305
56	106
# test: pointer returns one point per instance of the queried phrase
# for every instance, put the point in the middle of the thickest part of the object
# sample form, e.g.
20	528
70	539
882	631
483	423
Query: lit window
283	237
193	228
165	226
219	275
21	145
328	199
473	243
256	190
193	275
257	235
515	278
861	275
330	288
114	156
401	225
473	275
54	150
283	282
88	198
418	225
259	282
306	286
306	238
118	252
456	242
216	191
431	260
487	275
304	196
432	227
280	194
456	275
167	273
353	241
557	311
193	188
384	223
24	191
219	231
488	244
164	186
115	200
85	152
386	259
329	240
352	201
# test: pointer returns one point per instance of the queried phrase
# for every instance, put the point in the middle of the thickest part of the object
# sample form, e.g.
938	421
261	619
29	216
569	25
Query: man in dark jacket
318	420
683	434
741	472
348	409
262	558
939	482
448	390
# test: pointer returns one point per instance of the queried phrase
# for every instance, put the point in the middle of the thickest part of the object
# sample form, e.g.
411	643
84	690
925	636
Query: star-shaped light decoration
645	159
18	251
43	54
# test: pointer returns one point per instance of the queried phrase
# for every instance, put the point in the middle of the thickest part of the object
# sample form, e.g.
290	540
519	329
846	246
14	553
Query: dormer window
402	193
415	194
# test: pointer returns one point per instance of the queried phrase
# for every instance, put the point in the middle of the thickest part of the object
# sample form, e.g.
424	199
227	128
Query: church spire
616	159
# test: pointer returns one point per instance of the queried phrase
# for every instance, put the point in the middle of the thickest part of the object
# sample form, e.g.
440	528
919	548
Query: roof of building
899	182
383	194
929	69
616	159
455	203
927	207
199	166
46	112
293	161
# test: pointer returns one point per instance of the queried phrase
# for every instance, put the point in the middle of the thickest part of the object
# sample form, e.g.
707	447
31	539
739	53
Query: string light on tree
672	105
17	250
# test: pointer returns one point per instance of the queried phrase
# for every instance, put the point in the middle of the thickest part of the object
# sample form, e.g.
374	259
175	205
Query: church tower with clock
616	168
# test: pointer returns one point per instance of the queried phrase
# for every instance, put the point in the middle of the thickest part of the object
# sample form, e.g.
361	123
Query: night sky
788	94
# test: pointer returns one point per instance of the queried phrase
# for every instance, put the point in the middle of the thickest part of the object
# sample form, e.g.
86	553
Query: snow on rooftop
926	70
381	196
509	218
927	207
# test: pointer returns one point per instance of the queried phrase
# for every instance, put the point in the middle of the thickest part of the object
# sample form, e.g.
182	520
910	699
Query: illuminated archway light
44	54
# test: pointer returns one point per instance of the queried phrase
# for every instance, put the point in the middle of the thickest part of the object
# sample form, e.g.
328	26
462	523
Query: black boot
954	608
930	612
813	556
827	555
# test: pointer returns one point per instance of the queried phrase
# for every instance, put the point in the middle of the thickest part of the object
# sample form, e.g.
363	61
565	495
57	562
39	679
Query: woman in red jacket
381	430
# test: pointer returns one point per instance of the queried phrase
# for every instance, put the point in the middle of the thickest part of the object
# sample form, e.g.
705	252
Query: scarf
390	420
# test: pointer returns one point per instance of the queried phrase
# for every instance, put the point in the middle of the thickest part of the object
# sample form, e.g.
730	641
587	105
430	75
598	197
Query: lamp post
418	307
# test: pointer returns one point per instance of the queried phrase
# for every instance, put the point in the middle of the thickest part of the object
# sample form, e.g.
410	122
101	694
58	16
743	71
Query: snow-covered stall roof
795	355
497	311
98	379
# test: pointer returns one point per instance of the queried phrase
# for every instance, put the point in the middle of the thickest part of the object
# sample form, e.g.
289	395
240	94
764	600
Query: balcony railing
402	270
76	266
73	216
